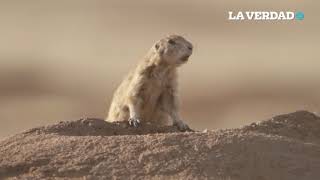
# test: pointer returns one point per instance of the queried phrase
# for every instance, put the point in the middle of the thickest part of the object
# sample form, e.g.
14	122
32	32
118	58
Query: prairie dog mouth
185	58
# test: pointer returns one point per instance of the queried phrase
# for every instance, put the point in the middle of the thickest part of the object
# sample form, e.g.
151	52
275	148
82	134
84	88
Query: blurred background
62	60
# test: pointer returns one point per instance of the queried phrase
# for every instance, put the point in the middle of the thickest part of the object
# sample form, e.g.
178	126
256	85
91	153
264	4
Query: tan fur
149	93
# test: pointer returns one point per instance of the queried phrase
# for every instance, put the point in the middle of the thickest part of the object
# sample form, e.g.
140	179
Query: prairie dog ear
158	48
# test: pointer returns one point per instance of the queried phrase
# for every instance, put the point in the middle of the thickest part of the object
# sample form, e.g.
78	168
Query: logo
265	15
299	15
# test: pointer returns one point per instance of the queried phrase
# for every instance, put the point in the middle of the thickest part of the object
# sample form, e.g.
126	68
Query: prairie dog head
174	50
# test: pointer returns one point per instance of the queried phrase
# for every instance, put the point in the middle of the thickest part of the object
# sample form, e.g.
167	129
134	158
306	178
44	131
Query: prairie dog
149	93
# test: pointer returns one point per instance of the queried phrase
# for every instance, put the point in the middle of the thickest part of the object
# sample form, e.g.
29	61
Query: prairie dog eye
157	46
172	42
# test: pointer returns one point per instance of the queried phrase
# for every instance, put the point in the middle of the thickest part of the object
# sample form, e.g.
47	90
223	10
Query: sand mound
98	127
300	125
285	147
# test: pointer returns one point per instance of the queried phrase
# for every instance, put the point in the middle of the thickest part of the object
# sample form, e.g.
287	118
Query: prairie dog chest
153	88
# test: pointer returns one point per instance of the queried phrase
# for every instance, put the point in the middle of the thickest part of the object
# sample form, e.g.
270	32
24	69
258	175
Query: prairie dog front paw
134	122
182	126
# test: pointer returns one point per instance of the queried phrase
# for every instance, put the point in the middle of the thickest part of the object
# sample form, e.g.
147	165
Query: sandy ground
284	147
